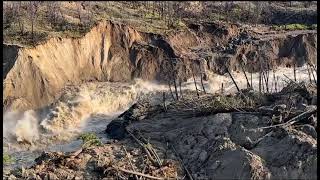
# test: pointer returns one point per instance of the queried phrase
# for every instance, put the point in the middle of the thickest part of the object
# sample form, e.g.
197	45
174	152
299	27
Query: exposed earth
201	138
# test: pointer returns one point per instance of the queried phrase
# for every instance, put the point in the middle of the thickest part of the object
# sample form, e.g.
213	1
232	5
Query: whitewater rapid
90	106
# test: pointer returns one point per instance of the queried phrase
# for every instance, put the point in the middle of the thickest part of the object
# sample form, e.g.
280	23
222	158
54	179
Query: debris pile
115	160
248	135
270	135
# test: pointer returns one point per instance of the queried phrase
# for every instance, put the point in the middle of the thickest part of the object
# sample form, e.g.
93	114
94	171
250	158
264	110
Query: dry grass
140	18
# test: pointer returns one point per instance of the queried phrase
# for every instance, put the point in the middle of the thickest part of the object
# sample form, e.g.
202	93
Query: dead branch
267	74
180	89
195	84
201	79
173	73
260	81
274	81
127	155
75	154
309	73
251	79
234	82
136	173
293	120
164	101
179	158
176	90
171	90
245	75
144	147
147	147
294	72
221	88
204	90
265	77
143	170
151	149
292	81
312	68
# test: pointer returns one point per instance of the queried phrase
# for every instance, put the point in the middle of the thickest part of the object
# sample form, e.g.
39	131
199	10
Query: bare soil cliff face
104	54
115	52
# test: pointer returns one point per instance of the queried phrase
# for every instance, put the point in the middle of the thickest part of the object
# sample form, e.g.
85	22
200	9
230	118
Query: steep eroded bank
118	53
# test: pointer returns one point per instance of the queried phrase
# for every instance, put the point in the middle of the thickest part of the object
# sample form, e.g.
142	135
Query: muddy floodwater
91	106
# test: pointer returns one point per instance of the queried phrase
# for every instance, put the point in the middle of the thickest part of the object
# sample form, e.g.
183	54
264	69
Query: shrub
90	139
150	15
294	27
313	26
7	159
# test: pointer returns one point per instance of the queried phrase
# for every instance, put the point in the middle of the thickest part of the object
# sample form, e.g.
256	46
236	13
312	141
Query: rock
203	155
280	107
116	129
308	129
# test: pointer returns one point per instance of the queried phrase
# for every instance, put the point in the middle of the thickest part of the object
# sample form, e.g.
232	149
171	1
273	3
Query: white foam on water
213	85
71	113
21	126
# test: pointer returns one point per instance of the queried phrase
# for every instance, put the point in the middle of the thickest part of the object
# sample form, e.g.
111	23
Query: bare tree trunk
261	77
176	89
267	80
260	81
294	72
251	80
263	82
312	69
274	81
234	82
153	7
309	73
180	89
171	89
276	84
164	101
201	79
20	22
245	75
195	84
204	90
173	71
32	35
221	88
33	6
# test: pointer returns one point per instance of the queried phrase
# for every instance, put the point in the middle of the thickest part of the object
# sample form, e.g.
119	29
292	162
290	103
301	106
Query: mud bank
223	138
115	52
213	136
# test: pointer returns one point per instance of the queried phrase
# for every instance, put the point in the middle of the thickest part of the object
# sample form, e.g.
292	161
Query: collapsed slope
229	137
213	136
33	77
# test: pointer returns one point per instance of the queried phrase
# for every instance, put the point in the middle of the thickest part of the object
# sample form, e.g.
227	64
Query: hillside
160	90
74	19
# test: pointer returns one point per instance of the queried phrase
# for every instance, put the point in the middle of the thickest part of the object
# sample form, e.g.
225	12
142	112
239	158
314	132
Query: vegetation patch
7	159
291	27
90	139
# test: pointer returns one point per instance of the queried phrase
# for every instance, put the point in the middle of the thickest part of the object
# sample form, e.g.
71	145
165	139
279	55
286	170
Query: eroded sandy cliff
115	52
